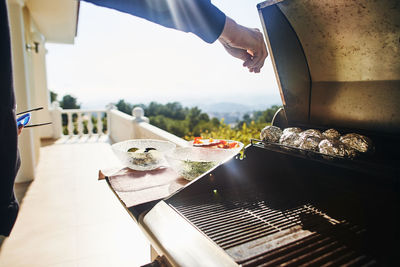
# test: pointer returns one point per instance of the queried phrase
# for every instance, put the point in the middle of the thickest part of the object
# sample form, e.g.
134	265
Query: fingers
237	52
20	129
254	64
259	53
243	55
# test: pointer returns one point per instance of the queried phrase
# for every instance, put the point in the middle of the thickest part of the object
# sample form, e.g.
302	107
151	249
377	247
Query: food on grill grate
309	139
292	130
331	134
290	137
358	142
329	142
311	132
271	134
335	147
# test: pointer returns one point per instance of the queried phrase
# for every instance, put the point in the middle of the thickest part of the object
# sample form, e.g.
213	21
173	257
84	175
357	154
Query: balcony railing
81	122
109	121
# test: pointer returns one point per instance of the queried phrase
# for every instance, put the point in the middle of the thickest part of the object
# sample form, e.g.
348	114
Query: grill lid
337	63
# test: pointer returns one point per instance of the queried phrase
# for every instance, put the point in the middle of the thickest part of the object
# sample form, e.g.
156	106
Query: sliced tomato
233	145
197	140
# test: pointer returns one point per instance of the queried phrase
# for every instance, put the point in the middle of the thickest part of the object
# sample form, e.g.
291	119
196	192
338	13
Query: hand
20	129
244	43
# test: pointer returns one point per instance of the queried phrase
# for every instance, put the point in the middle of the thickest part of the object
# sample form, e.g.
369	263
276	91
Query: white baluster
70	124
109	107
89	123
79	123
56	113
99	124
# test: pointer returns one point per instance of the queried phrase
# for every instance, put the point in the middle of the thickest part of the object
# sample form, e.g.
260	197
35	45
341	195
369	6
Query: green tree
268	114
69	102
175	110
124	106
53	96
193	117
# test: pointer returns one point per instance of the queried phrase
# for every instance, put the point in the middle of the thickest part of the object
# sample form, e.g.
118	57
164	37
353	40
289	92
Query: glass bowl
142	154
192	162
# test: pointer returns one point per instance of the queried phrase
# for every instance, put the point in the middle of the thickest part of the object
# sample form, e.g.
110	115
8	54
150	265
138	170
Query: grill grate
248	229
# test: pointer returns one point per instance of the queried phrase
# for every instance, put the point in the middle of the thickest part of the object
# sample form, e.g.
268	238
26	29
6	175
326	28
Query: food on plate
215	143
191	162
193	169
331	134
309	139
290	137
271	134
142	154
145	158
358	142
335	147
135	149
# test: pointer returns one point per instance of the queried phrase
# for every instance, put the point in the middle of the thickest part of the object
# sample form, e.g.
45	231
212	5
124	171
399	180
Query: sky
119	56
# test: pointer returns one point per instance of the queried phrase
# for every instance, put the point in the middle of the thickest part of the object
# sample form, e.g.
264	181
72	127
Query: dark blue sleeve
197	16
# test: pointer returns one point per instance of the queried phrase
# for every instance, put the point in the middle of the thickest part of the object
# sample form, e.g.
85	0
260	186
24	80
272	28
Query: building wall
22	86
29	66
30	85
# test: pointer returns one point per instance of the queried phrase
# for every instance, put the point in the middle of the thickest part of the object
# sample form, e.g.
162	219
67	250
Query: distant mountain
225	107
236	103
231	103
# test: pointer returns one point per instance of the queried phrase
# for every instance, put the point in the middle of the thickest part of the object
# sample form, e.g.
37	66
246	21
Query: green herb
193	169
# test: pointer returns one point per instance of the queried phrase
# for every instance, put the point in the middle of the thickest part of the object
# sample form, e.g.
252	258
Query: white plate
143	161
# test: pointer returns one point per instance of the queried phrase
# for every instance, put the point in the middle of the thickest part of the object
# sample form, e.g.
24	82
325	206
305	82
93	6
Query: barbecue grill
337	65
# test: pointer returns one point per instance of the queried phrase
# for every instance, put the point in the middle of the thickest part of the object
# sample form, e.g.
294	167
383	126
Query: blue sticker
23	120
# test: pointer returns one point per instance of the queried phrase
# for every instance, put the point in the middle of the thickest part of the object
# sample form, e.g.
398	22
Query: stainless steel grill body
338	65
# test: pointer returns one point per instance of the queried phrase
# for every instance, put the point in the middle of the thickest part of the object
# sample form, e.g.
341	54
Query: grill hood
337	63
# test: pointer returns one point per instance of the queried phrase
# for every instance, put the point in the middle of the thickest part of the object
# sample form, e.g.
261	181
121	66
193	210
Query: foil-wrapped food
309	139
331	134
358	142
271	134
290	137
292	130
335	147
329	142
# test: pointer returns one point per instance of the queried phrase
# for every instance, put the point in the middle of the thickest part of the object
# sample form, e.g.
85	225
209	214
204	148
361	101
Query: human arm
199	17
204	20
